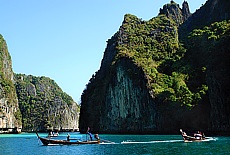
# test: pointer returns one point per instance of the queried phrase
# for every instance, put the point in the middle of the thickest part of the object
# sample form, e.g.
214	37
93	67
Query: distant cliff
10	115
156	79
30	103
44	105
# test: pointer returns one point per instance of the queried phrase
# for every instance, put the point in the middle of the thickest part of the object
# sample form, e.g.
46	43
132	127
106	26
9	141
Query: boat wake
103	143
158	141
209	139
205	140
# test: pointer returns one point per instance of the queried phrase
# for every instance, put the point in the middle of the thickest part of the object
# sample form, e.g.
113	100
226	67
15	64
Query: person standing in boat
91	136
183	133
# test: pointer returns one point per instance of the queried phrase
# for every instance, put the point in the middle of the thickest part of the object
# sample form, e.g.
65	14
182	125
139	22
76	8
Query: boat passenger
91	136
203	136
198	135
184	133
96	137
50	134
68	137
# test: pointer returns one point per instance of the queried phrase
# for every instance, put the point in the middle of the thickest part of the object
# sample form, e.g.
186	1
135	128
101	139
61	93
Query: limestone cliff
128	104
149	82
44	105
119	98
218	72
10	116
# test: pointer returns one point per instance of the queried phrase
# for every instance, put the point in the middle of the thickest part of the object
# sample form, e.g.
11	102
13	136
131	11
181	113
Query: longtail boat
197	138
48	141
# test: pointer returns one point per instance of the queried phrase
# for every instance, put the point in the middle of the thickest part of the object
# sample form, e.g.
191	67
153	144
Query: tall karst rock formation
149	82
10	115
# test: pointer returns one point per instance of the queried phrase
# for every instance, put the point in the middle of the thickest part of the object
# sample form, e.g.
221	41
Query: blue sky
65	40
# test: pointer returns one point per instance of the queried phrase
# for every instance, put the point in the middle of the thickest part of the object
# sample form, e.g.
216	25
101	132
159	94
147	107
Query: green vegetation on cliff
153	46
203	46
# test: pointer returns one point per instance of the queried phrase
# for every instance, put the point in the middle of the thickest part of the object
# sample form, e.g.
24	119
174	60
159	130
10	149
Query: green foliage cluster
202	46
143	39
37	97
209	34
154	46
8	89
207	50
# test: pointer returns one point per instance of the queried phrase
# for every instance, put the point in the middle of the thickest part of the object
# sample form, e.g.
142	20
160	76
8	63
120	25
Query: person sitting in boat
55	134
198	135
96	137
50	134
203	136
68	137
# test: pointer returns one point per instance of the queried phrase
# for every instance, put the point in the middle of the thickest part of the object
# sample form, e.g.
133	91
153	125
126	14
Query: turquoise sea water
28	144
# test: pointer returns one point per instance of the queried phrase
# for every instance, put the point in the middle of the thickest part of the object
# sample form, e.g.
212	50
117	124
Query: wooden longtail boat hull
47	141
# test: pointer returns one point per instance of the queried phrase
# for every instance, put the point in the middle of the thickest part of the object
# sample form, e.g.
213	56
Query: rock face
44	105
217	78
173	11
149	83
185	11
128	105
10	116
